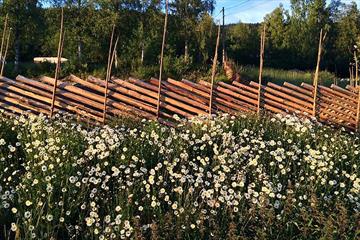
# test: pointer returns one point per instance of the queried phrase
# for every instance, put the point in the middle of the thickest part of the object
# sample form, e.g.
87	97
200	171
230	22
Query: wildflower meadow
243	177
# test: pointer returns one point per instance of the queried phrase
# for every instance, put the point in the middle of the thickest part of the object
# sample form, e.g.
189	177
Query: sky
251	11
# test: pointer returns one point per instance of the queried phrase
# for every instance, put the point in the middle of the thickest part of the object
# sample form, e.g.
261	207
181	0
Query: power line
218	14
247	6
233	6
237	5
243	10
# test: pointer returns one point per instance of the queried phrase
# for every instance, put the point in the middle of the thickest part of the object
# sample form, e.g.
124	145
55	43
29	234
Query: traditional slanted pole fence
90	100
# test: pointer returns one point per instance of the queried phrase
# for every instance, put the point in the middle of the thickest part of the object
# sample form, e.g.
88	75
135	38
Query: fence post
316	76
162	57
262	49
5	54
108	78
358	111
356	69
111	57
213	71
58	63
3	40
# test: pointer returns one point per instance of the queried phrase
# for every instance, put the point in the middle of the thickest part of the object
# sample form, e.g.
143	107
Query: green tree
205	36
243	43
25	18
188	12
86	32
277	47
347	32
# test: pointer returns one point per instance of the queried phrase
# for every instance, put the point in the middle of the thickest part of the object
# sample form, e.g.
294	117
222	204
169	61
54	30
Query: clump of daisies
225	177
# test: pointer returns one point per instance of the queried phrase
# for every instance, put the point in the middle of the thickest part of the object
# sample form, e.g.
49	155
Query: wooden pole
3	39
316	76
213	72
5	54
107	71
350	76
108	77
356	69
358	111
110	50
262	49
162	57
223	36
58	63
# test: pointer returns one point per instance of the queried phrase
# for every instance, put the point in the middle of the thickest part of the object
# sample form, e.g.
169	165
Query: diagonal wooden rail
136	98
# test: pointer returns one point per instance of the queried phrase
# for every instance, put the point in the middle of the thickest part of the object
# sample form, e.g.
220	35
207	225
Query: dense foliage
88	27
224	178
293	36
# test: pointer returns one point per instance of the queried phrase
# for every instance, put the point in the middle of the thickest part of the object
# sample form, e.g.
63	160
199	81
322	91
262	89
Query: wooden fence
136	98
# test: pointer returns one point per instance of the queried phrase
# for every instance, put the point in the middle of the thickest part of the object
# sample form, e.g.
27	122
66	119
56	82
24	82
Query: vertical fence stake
262	49
213	71
358	111
107	72
352	74
3	40
58	63
223	36
5	54
162	58
316	76
108	78
356	69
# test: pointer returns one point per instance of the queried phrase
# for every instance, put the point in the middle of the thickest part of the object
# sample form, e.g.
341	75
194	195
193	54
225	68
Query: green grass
279	76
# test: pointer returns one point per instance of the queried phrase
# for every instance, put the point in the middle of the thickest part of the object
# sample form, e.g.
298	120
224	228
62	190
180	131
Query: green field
279	76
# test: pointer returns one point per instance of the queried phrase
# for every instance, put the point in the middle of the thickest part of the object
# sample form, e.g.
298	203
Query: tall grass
279	76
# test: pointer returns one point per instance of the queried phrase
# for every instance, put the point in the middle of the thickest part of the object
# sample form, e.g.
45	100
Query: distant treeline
292	36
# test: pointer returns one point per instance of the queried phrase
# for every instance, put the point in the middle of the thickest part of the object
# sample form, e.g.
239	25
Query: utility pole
223	35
